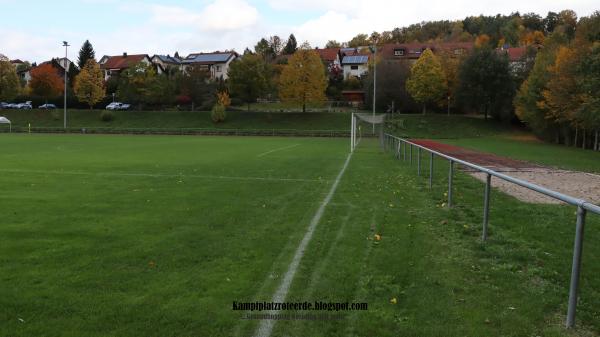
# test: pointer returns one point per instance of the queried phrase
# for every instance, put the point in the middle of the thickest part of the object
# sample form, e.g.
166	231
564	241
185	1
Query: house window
354	67
398	52
218	68
458	51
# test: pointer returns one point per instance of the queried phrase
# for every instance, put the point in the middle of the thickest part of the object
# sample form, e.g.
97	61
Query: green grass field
158	235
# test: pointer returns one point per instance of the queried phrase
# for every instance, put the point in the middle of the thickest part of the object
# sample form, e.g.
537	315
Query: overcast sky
34	30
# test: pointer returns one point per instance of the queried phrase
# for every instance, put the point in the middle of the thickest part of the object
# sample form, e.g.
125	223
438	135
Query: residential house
216	63
519	56
410	52
167	61
355	65
23	69
114	65
330	56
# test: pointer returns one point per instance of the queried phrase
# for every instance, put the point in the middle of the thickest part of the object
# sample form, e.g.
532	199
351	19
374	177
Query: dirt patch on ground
580	185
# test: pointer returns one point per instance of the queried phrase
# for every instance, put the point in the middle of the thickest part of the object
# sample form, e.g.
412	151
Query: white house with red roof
114	65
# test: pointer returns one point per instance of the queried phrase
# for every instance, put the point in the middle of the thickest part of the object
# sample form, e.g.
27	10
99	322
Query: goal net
366	125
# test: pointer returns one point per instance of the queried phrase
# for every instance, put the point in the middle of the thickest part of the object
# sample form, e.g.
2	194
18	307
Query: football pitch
160	235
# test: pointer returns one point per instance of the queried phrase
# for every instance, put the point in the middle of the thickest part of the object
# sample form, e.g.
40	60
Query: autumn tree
359	41
427	82
85	53
333	44
195	84
89	84
45	81
589	83
291	45
303	79
264	49
561	95
535	37
486	84
9	81
451	65
249	78
276	44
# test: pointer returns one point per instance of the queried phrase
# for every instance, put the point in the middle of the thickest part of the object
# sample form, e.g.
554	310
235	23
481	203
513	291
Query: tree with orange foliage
45	81
482	40
535	37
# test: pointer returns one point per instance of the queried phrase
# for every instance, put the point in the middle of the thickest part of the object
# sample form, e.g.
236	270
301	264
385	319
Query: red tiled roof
515	54
414	50
122	62
328	54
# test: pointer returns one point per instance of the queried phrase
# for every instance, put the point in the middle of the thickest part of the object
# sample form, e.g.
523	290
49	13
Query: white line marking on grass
159	175
266	326
277	149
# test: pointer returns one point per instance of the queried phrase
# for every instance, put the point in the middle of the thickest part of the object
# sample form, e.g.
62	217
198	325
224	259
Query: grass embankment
180	119
444	127
417	126
129	236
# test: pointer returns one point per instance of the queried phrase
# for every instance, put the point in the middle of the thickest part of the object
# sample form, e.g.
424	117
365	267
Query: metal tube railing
583	207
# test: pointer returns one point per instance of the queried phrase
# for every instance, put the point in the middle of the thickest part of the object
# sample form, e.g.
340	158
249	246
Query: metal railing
399	146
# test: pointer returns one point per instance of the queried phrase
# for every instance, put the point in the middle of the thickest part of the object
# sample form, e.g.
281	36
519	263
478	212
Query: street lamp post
66	45
374	49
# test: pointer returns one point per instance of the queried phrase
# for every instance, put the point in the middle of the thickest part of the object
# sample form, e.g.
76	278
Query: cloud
217	16
174	16
341	20
227	15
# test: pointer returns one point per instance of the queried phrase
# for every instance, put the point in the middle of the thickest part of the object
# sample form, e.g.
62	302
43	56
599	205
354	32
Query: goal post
358	124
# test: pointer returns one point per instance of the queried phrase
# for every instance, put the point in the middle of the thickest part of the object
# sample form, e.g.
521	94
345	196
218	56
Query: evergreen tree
291	46
85	53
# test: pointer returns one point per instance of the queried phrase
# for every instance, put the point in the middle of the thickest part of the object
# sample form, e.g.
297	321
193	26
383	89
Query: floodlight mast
66	45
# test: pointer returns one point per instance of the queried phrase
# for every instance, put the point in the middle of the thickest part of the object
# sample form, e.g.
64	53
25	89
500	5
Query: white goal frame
355	130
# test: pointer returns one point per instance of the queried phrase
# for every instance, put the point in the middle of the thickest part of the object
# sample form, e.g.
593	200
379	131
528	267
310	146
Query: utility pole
66	45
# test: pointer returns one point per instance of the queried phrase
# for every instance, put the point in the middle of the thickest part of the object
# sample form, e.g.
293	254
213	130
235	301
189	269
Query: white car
117	106
26	105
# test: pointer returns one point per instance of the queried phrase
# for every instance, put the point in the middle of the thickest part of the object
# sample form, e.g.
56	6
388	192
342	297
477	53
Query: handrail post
431	170
450	174
577	249
404	156
486	206
397	154
419	161
411	147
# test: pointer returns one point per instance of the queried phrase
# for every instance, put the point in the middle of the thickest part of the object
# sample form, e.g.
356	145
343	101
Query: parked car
26	105
118	106
11	106
4	105
47	106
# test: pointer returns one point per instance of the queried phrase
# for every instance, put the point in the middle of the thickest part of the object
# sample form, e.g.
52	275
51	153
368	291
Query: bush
107	116
217	113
